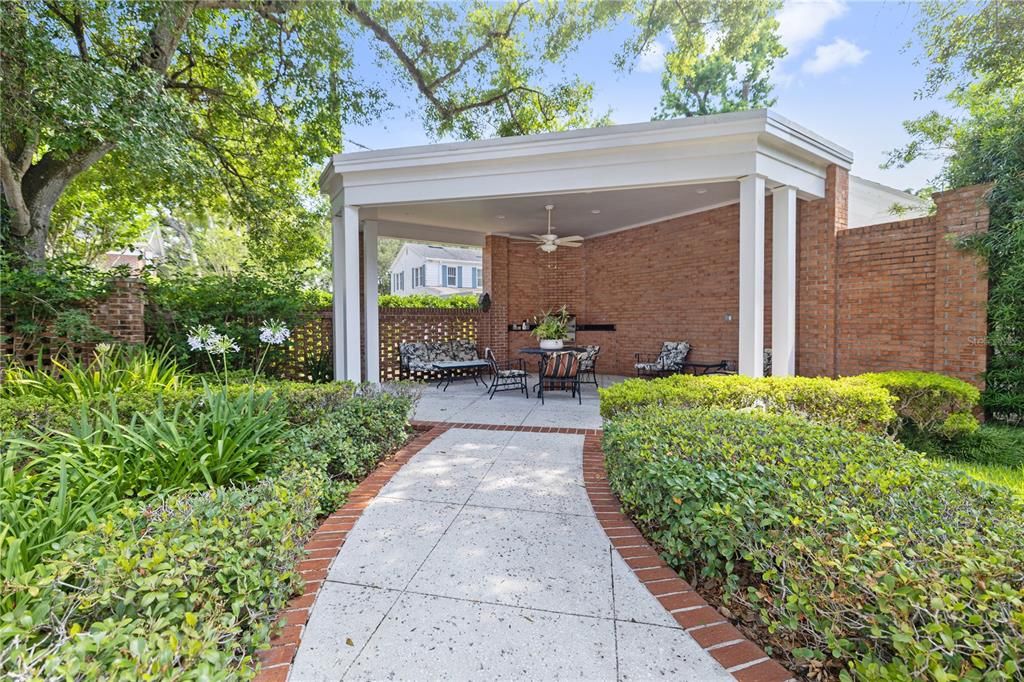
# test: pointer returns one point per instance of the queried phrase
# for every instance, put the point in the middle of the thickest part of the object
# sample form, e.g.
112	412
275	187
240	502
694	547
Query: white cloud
835	55
652	59
802	22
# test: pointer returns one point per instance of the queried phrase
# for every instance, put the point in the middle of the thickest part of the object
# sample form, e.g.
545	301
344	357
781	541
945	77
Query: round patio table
547	351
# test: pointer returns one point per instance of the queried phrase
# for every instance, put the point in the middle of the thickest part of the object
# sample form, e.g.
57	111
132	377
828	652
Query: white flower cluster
274	332
204	337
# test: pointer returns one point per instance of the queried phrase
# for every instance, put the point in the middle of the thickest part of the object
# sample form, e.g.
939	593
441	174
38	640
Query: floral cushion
588	357
420	366
511	373
673	355
464	349
413	354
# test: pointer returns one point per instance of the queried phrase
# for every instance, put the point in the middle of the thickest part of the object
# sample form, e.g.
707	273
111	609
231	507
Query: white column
751	351
353	352
784	282
370	301
338	298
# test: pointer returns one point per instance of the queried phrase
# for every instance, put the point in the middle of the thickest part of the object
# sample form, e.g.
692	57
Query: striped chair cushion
561	365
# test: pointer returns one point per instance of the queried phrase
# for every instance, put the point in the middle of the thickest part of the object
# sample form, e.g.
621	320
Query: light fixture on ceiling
501	217
702	191
550	242
595	211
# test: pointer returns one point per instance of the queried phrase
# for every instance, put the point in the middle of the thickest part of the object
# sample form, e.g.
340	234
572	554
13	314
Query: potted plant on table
552	328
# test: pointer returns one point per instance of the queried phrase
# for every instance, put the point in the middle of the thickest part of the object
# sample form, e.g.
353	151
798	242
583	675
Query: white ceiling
573	214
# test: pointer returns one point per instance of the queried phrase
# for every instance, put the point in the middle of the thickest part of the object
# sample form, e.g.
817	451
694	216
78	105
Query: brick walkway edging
743	659
321	549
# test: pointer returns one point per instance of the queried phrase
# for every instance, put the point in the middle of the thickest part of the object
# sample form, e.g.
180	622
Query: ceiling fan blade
573	245
538	237
572	238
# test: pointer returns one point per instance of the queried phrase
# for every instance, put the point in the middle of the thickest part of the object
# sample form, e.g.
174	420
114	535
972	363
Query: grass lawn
1009	476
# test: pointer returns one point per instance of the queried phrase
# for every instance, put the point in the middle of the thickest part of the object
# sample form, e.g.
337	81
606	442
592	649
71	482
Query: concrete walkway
482	559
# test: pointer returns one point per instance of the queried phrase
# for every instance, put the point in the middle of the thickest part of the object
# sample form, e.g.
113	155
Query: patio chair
507	376
671	360
561	372
588	365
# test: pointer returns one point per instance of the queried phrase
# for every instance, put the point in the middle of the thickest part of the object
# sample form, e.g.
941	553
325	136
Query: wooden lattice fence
310	351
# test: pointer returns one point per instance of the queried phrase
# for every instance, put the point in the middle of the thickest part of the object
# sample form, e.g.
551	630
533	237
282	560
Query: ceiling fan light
548	247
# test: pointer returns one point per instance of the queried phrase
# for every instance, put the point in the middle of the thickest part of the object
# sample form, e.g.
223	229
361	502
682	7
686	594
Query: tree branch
21	223
77	26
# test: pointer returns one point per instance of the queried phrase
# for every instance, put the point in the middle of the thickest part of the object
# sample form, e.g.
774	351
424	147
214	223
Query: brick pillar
961	285
817	275
494	323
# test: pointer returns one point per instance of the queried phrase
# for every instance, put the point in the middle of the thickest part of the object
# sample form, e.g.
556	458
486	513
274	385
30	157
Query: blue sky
849	77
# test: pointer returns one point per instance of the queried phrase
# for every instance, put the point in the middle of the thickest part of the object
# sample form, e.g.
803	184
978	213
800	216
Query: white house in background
435	269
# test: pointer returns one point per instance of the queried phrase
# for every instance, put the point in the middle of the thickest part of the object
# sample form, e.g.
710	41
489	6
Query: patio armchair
670	360
508	376
560	371
588	365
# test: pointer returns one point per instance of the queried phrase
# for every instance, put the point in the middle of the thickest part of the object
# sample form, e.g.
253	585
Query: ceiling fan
550	242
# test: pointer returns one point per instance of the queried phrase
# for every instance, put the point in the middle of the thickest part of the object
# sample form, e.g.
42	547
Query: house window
419	276
452	276
478	278
398	281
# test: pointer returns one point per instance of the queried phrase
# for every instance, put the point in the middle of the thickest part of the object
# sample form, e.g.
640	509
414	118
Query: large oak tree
234	101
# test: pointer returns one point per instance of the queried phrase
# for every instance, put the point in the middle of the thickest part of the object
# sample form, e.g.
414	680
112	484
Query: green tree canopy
720	57
225	105
973	52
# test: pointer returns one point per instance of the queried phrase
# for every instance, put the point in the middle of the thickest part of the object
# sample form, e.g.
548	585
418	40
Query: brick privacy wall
120	314
678	279
817	281
673	280
909	299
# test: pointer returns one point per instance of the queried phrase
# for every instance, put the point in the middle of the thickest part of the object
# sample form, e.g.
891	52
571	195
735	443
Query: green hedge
172	585
828	401
929	402
184	589
462	301
847	545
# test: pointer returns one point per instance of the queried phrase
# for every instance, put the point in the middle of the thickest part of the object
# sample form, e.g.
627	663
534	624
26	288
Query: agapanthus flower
201	335
221	344
274	332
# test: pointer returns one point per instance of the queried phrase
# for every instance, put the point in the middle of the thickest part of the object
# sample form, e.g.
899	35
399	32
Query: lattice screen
310	355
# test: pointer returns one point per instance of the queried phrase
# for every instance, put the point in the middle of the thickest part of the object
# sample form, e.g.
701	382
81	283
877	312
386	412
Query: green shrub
847	545
52	486
827	401
934	403
115	370
989	444
235	305
345	443
464	301
20	414
185	589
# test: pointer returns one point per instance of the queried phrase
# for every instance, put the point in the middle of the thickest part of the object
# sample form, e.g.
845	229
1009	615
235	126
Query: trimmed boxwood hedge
857	406
928	402
853	550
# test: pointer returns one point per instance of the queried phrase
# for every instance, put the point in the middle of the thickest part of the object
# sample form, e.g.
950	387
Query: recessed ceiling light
501	217
702	191
595	211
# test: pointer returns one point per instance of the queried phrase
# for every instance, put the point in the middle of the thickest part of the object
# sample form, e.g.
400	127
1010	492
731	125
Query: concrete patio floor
466	402
482	559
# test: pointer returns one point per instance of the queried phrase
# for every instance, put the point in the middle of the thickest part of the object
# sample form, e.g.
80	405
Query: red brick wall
120	314
678	279
908	299
674	280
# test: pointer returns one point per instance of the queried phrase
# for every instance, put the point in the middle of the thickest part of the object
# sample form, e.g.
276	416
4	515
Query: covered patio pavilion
719	230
